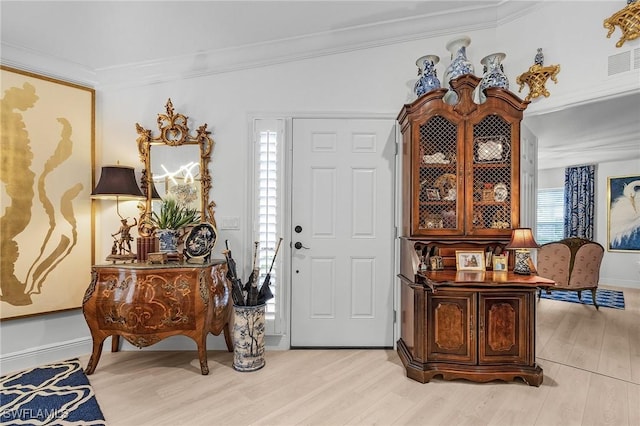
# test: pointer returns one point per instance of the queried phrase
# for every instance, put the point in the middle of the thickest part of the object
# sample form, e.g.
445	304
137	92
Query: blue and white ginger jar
494	76
428	76
459	65
168	240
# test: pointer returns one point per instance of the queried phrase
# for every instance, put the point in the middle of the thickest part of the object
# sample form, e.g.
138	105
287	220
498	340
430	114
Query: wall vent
636	58
620	62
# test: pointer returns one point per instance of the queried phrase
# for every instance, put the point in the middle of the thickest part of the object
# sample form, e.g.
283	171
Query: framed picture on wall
47	178
623	213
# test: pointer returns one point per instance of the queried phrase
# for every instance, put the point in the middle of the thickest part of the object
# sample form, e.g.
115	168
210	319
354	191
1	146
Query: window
550	222
268	212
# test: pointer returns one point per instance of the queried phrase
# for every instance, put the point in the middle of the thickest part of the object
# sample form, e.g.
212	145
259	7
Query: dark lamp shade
522	238
117	182
154	192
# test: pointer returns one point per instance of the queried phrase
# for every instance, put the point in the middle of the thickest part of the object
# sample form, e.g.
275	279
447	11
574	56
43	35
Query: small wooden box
157	257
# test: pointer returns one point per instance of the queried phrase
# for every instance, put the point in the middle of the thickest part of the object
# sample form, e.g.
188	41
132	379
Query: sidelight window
268	211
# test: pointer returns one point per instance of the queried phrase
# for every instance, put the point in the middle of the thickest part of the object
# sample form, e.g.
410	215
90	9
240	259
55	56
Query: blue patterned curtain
579	201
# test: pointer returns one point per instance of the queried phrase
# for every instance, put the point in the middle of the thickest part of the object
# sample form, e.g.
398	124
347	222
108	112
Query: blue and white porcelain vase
459	65
248	337
428	77
539	58
168	240
493	76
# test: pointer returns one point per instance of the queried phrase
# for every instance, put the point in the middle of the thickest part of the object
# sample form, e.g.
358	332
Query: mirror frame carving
174	131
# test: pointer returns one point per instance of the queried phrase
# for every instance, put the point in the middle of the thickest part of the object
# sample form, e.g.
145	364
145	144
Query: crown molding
478	17
43	64
310	46
607	149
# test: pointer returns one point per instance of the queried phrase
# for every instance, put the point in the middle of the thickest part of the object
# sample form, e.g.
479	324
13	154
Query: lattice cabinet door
439	181
493	194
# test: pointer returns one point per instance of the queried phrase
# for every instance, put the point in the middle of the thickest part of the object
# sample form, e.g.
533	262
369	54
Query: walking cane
265	292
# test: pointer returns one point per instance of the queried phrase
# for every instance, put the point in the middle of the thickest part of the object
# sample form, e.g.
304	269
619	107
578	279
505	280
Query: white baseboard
46	354
33	357
619	283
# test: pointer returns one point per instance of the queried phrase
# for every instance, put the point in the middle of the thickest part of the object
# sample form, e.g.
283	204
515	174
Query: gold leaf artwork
42	235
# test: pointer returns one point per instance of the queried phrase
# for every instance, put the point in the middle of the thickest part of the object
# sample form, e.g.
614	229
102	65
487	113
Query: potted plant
170	221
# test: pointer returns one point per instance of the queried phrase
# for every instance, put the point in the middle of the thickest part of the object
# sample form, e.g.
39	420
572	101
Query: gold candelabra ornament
628	19
536	77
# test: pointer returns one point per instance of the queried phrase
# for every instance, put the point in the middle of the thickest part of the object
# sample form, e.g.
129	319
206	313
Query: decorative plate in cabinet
491	149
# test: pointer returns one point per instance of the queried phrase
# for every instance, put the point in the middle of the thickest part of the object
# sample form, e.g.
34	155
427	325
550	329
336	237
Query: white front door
343	233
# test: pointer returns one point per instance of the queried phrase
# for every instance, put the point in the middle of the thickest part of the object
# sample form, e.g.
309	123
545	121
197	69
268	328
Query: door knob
299	246
298	229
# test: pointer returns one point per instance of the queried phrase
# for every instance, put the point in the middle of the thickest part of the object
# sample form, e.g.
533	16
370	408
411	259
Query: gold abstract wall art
46	223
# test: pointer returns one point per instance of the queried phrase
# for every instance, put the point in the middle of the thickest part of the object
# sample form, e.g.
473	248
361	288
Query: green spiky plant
174	215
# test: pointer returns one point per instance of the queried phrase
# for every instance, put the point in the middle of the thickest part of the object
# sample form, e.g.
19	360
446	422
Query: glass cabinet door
438	195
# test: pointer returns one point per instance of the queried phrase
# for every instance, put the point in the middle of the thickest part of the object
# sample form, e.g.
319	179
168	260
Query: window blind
550	215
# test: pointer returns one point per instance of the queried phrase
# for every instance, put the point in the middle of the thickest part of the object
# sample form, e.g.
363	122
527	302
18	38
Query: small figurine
125	236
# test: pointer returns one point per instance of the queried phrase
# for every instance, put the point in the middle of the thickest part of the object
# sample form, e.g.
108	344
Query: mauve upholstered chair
573	263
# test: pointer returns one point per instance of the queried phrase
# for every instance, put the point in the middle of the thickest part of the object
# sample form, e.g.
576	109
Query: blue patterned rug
605	298
53	394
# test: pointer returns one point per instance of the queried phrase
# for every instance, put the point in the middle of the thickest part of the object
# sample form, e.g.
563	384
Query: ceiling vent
620	62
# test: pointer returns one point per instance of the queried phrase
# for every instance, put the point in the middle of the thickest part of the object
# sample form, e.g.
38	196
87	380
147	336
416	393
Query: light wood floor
591	362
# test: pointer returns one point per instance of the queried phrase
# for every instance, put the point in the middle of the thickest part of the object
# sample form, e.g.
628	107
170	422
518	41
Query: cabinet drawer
147	303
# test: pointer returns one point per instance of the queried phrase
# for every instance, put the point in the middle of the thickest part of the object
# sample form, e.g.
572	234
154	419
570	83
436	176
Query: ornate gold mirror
176	165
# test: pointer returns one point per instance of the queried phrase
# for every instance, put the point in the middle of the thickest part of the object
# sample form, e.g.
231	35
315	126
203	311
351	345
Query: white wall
551	178
372	81
571	34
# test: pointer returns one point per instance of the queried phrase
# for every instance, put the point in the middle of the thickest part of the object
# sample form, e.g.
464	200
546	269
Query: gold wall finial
628	19
536	77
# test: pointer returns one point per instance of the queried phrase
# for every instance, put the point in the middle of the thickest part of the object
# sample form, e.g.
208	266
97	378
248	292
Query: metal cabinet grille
491	173
438	154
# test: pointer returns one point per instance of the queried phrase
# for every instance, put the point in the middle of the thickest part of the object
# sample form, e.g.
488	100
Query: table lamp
154	192
521	241
119	183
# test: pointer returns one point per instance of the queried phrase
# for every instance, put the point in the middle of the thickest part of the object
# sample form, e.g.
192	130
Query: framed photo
487	195
470	260
47	179
432	194
500	263
436	263
623	210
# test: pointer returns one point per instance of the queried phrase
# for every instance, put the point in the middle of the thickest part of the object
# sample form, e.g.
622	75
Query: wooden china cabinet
461	170
461	191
